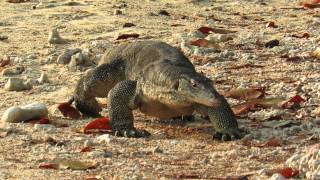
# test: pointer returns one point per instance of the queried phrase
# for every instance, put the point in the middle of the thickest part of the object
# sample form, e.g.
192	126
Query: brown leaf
204	43
246	93
68	111
126	36
288	172
208	30
310	4
49	166
269	143
5	62
98	125
40	121
86	149
294	101
17	1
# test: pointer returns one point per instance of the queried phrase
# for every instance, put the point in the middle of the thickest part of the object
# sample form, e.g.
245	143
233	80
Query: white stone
217	38
105	138
277	177
24	113
16	84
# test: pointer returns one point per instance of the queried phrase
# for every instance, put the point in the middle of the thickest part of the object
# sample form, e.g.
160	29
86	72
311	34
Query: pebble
55	38
16	70
277	176
49	128
24	113
105	138
16	84
3	37
65	57
272	43
100	154
43	78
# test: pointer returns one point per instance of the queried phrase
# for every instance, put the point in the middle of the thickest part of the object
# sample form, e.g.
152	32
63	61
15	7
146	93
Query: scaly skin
158	80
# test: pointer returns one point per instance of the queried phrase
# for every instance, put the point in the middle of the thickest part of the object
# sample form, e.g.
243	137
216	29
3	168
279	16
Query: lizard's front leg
122	101
223	120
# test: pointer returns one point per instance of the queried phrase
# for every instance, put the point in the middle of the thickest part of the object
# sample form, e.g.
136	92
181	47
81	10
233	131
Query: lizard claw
132	133
229	134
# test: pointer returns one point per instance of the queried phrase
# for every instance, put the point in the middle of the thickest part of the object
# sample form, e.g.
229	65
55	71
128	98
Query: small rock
100	154
126	25
24	113
105	138
16	70
217	38
272	43
3	37
65	57
193	35
16	84
88	143
277	176
117	12
163	13
32	56
54	37
43	78
49	128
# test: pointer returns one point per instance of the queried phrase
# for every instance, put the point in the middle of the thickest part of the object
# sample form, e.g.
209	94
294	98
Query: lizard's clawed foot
132	133
229	134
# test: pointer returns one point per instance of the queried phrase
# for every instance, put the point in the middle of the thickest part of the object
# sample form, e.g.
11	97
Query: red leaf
205	30
49	166
200	43
310	4
274	142
296	100
288	172
68	111
98	125
40	121
86	149
126	36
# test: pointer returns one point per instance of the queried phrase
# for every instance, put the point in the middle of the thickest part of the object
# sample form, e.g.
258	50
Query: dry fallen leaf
288	172
68	111
208	30
86	149
17	1
274	142
98	125
204	43
316	53
246	93
126	36
49	166
40	121
310	4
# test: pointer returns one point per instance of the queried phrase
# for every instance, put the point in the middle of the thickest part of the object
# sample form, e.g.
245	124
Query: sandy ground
175	150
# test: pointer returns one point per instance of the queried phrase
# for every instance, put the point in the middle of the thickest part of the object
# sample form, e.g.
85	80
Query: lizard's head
198	89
